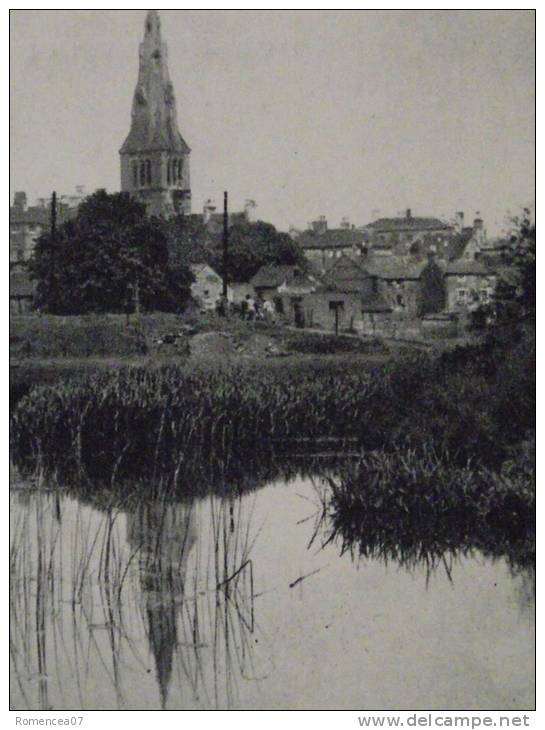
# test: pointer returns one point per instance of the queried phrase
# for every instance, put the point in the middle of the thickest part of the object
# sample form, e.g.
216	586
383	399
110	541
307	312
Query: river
245	603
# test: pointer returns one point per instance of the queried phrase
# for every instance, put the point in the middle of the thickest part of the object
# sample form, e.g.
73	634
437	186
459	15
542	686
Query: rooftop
408	223
464	267
331	238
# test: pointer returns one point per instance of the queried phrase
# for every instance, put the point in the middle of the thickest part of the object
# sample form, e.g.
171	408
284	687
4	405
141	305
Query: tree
513	303
110	258
251	246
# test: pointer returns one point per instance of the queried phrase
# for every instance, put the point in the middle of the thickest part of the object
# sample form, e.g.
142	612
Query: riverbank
45	350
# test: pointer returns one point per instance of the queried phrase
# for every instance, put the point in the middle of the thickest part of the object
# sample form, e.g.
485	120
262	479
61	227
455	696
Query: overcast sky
340	113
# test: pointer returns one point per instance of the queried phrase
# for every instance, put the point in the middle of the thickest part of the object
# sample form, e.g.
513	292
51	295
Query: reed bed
151	422
412	506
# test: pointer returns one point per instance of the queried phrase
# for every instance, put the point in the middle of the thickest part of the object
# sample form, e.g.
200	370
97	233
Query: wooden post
53	216
225	242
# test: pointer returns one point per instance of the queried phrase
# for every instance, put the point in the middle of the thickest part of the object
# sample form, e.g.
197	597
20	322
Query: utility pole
53	216
225	242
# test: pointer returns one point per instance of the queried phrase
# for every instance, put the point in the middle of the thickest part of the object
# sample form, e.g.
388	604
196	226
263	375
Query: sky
339	113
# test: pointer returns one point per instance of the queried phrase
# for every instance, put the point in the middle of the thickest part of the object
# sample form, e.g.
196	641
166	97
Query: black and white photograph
272	375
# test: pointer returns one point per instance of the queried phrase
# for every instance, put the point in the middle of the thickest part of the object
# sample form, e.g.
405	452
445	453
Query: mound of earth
212	345
224	345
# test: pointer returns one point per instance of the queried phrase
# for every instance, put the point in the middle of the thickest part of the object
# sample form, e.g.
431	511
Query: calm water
238	604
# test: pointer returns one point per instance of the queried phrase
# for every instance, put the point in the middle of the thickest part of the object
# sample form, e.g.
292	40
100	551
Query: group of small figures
249	309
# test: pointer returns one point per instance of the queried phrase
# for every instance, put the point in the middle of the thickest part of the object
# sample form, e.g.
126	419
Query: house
21	290
337	303
409	235
27	223
398	283
469	284
321	245
287	287
267	280
207	287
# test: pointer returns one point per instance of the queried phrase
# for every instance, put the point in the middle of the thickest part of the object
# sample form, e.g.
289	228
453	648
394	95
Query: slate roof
465	267
408	224
457	244
394	269
346	275
271	276
334	238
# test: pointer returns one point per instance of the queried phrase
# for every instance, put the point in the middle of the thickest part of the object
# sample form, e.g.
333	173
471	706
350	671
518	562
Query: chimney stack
249	210
208	211
408	214
345	222
319	226
459	221
20	201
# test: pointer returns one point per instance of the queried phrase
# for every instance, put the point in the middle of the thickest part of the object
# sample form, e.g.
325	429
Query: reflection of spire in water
164	535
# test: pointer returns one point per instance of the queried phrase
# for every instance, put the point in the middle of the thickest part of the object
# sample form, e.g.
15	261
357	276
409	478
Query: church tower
155	157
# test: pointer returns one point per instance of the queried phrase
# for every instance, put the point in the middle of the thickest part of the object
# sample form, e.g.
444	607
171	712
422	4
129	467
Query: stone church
155	157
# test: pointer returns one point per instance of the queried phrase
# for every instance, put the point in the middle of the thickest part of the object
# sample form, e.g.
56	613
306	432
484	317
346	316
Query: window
485	296
206	292
148	172
179	171
142	173
461	296
168	172
278	305
336	305
135	173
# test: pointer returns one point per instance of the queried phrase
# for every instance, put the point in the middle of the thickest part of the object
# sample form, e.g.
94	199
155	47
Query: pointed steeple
154	124
154	138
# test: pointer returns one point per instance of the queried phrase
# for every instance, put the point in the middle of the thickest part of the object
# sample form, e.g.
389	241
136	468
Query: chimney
249	210
208	211
319	226
478	229
19	201
459	221
408	214
345	222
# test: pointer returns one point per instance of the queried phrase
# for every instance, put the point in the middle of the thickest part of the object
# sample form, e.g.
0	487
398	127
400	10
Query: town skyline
460	138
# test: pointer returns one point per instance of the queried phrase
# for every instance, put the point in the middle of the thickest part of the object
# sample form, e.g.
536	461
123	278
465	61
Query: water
240	604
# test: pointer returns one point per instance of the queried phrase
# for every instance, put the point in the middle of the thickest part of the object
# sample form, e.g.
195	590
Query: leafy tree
513	304
110	258
251	246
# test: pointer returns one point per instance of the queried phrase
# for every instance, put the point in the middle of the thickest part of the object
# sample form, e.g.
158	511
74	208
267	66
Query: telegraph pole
53	216
225	242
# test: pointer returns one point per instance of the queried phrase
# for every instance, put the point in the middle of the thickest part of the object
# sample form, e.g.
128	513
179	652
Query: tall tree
251	245
110	258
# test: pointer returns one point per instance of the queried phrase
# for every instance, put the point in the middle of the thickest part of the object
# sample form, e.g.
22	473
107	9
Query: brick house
27	223
469	284
409	235
322	245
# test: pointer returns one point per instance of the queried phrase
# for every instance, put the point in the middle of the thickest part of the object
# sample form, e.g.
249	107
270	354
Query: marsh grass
414	506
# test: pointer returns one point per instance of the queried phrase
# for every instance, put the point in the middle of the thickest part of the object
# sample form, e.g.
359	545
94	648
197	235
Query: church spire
154	132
